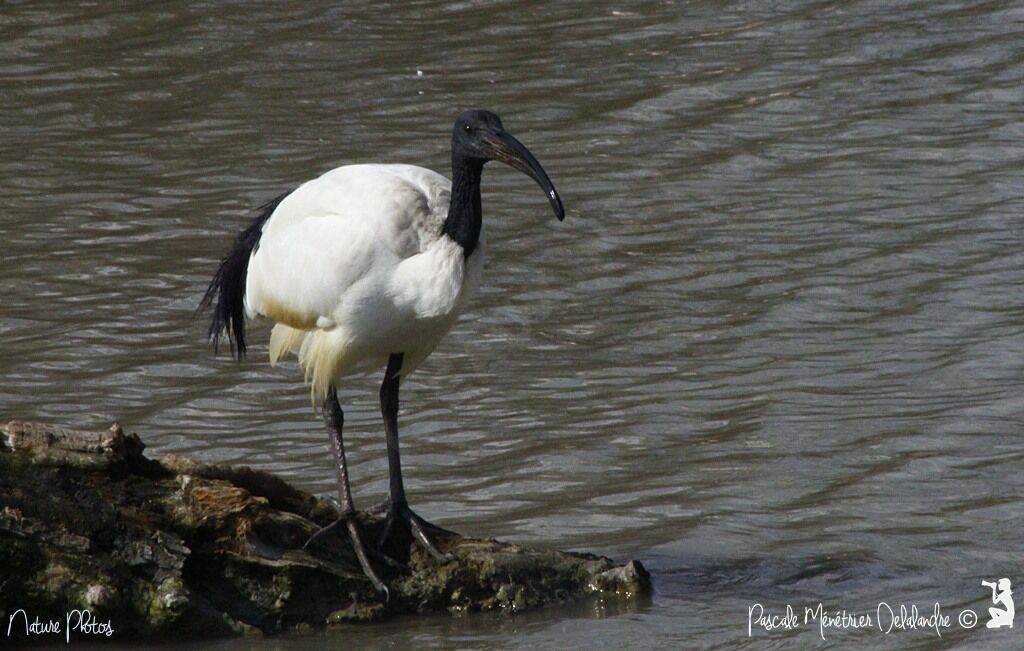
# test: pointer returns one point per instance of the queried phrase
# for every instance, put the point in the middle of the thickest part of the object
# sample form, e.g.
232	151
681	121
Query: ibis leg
398	507
334	418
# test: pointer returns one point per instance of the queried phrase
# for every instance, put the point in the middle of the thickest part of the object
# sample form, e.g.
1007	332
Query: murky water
774	351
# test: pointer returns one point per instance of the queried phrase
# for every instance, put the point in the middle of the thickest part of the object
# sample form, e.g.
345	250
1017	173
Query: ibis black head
479	136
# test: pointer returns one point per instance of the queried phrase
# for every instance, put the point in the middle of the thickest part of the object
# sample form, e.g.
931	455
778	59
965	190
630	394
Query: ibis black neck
465	219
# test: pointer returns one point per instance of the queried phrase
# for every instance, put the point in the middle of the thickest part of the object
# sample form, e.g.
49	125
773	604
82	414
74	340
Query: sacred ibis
365	267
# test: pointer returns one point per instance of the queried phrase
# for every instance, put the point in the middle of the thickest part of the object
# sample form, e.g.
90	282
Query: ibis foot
363	553
383	507
401	522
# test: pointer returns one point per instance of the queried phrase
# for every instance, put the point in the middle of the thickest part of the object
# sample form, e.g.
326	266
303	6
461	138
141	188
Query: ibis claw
399	514
362	552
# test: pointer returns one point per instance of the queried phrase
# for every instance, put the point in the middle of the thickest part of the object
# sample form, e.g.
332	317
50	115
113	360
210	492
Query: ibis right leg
334	418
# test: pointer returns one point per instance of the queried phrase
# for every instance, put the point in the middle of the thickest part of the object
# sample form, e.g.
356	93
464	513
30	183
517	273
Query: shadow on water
770	578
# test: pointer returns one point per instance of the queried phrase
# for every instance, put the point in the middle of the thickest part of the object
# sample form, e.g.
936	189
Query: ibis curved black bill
503	147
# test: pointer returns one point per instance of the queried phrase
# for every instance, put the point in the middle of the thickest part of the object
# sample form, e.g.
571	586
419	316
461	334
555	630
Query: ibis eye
467	128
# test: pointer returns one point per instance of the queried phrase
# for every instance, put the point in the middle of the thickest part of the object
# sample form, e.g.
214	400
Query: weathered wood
173	547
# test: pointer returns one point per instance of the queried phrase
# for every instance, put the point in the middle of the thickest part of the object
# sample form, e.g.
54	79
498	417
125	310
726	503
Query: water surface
774	351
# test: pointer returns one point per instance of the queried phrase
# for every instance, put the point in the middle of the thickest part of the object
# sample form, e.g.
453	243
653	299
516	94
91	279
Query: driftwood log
96	539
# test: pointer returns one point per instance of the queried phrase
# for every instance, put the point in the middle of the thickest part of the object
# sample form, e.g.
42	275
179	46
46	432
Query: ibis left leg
398	508
334	419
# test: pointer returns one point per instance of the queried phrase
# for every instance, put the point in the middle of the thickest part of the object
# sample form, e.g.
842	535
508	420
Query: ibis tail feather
283	340
226	292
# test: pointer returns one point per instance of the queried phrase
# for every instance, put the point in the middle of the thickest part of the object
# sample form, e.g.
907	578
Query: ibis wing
337	236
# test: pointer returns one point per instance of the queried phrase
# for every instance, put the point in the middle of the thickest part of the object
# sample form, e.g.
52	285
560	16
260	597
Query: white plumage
364	266
352	266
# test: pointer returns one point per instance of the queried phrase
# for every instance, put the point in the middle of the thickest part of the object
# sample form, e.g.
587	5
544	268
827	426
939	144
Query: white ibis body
368	266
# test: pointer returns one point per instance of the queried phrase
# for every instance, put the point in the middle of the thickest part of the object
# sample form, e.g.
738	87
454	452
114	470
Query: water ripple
774	349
